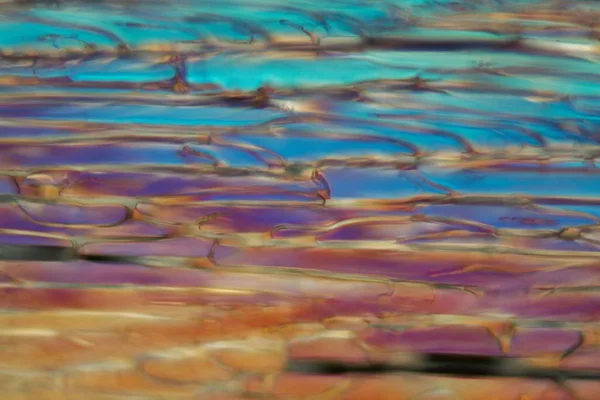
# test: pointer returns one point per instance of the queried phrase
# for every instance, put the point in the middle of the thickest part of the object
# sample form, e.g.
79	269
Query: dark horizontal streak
393	43
62	254
512	43
107	259
36	253
444	364
56	253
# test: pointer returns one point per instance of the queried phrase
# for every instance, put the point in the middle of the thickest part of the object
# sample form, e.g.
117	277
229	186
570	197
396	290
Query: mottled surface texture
222	199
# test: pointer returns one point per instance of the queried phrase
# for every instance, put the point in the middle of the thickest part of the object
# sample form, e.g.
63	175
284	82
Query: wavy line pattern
194	195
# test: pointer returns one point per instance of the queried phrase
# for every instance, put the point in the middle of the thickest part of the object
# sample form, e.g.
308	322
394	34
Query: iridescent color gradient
197	197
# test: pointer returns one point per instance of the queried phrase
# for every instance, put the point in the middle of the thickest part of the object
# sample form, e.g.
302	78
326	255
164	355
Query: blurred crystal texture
300	200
